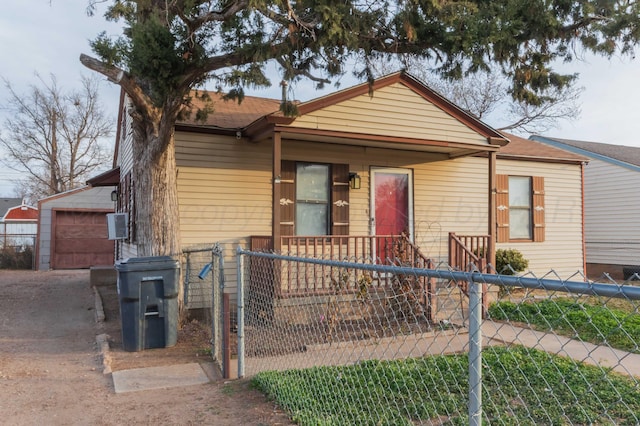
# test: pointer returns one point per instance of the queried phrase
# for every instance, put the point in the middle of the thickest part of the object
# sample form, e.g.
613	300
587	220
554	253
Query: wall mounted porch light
114	195
354	180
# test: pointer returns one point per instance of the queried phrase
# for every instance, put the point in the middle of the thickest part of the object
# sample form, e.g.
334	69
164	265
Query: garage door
80	240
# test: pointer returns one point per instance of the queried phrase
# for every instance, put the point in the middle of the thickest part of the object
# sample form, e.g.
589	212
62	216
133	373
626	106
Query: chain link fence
198	281
17	251
205	300
392	345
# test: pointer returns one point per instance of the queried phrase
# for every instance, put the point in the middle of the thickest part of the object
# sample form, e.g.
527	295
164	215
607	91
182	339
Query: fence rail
547	352
469	249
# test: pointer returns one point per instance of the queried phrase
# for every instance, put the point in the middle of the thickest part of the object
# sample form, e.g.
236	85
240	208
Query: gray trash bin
148	296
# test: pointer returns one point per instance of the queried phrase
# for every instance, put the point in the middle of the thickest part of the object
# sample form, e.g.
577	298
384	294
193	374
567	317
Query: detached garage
72	230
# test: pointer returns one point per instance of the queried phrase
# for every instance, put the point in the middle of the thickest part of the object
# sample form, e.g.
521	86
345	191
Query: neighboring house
354	170
72	229
7	203
18	223
612	222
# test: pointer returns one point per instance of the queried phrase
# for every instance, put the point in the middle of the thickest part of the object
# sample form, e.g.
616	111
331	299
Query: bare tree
487	95
53	137
562	104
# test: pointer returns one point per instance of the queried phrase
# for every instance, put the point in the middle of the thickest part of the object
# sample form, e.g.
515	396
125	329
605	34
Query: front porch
410	295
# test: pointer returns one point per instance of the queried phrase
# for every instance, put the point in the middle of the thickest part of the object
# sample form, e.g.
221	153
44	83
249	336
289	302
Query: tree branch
569	30
212	16
216	63
304	73
123	79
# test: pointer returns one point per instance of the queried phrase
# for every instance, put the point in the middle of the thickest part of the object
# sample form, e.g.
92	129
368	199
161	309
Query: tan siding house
561	249
354	173
381	114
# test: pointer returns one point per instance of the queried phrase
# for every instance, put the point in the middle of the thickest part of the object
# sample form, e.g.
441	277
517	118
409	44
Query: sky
46	37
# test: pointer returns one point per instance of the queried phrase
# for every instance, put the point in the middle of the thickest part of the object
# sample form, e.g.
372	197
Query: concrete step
102	276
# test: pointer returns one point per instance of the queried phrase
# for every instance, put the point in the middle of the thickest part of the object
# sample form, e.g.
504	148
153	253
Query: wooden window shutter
287	197
538	208
340	199
130	201
133	211
123	189
502	208
126	204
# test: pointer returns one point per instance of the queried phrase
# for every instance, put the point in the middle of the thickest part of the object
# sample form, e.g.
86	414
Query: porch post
275	183
492	209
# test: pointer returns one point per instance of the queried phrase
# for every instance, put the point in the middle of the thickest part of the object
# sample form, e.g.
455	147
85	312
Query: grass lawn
520	386
597	324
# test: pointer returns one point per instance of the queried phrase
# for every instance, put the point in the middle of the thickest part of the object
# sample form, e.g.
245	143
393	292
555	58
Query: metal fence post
216	311
475	352
240	296
187	271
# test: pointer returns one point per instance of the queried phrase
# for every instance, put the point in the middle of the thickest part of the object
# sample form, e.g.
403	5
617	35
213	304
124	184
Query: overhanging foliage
170	46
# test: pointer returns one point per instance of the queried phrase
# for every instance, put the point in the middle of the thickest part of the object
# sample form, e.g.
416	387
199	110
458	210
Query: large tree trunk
157	216
155	185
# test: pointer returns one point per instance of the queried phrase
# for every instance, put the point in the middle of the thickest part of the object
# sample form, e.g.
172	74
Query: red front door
391	208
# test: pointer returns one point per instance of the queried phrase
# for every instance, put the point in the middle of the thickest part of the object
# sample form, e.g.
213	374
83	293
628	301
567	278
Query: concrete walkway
159	377
351	352
446	342
407	346
603	356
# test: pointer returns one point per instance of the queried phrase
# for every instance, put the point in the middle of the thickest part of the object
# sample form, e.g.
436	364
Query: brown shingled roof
533	150
231	115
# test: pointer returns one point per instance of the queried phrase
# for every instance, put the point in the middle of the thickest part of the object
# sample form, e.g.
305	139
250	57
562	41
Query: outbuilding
18	223
72	229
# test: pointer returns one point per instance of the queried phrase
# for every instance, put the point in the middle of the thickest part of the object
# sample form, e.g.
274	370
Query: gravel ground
51	371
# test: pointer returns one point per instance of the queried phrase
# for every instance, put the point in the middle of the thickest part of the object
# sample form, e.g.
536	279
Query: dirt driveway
51	371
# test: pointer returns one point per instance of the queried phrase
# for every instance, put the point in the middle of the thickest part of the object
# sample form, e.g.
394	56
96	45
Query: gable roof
393	112
254	113
21	213
231	115
407	80
7	203
528	149
65	193
625	156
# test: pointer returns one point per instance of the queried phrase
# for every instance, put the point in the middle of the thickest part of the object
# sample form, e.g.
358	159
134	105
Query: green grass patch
617	328
520	386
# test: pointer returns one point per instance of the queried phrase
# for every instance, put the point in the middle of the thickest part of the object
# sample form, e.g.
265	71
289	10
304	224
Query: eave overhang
264	128
108	178
541	159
